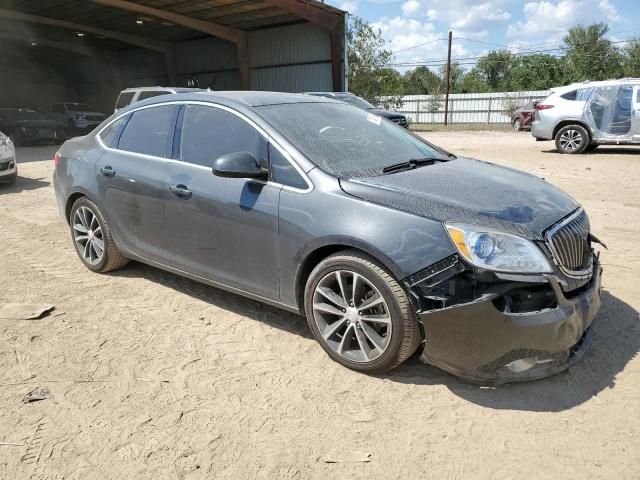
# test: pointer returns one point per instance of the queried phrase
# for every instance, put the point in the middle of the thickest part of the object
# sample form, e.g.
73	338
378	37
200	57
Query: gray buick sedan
384	242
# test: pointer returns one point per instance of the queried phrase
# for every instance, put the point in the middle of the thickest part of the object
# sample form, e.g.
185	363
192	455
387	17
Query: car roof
600	83
235	99
161	89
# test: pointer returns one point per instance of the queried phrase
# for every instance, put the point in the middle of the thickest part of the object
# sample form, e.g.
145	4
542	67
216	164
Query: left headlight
498	251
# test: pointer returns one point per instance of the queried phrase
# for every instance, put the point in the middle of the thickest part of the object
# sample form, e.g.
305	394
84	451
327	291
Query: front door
223	229
131	179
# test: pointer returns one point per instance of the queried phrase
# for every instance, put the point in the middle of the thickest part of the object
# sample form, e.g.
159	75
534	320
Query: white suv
581	116
133	95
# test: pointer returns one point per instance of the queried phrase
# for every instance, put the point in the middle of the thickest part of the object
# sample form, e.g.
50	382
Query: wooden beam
213	29
238	37
336	38
141	42
311	13
166	48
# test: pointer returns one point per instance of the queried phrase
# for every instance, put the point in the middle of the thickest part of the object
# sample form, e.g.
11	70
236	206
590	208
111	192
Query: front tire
517	125
92	238
572	139
360	314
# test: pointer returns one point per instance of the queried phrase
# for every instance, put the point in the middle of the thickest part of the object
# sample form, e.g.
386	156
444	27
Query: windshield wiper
411	164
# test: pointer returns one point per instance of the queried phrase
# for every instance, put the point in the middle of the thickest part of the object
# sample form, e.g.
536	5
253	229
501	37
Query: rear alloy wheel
517	125
360	314
572	139
92	238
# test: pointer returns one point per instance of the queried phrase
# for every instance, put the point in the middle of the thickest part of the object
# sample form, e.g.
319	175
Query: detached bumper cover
479	343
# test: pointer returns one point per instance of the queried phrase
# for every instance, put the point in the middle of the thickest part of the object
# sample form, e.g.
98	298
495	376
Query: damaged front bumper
482	343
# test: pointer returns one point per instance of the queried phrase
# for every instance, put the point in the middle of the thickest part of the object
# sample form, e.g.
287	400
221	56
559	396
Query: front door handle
107	171
180	191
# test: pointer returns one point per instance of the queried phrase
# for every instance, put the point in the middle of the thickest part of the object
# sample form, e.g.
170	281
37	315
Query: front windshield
355	101
78	107
21	114
344	140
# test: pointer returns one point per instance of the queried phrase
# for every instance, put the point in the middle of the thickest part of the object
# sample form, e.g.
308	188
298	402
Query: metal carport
53	50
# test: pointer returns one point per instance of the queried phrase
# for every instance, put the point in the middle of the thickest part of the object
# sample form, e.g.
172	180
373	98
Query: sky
480	26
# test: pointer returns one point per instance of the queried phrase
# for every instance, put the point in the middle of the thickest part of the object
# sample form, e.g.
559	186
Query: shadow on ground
604	150
217	297
23	184
616	342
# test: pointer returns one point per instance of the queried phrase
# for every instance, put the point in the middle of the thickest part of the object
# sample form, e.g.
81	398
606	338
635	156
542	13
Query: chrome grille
569	243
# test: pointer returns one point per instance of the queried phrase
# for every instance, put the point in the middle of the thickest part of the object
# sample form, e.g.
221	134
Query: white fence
466	107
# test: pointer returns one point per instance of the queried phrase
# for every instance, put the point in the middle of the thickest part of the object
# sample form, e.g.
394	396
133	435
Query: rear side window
282	171
124	99
150	131
151	94
209	132
570	95
108	135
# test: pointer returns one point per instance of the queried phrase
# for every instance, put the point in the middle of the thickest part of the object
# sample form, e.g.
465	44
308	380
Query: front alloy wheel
352	316
359	313
517	125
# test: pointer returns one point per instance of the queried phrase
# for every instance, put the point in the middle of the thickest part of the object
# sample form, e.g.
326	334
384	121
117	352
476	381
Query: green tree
494	67
535	72
369	73
457	72
590	56
632	59
420	81
473	82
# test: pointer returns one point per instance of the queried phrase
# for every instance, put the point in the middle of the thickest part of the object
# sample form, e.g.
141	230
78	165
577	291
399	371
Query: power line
420	45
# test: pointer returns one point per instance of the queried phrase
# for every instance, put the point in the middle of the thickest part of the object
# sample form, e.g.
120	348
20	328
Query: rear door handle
107	171
180	191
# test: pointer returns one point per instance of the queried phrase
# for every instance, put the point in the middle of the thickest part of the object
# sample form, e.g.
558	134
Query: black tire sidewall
583	133
389	358
85	202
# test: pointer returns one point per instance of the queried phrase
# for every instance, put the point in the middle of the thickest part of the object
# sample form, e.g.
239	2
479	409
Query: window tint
570	95
149	131
282	171
124	99
108	135
209	132
58	108
151	94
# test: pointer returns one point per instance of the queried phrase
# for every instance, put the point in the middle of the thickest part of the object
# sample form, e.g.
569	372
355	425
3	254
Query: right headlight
497	251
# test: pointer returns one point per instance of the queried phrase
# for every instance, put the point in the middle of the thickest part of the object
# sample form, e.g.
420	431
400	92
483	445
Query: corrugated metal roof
241	14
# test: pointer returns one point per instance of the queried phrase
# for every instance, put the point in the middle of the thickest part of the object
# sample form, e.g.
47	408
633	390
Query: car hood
470	192
385	113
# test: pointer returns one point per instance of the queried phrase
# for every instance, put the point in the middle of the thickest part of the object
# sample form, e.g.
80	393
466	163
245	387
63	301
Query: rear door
131	178
223	229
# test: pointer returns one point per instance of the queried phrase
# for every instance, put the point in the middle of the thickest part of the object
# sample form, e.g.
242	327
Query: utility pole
447	82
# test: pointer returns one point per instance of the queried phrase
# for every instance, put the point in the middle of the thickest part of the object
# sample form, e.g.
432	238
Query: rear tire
572	139
92	238
517	125
371	328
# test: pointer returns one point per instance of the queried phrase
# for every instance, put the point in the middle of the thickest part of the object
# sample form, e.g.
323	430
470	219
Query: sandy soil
155	376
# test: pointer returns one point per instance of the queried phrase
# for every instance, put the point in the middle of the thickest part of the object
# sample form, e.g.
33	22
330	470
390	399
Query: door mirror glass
238	165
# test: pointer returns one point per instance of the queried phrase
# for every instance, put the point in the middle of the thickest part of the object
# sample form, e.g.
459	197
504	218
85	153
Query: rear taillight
542	106
56	159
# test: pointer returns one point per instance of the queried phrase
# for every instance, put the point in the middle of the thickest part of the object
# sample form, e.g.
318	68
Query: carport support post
336	36
172	67
242	47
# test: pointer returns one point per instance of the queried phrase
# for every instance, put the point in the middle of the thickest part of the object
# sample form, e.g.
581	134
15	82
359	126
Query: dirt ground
157	377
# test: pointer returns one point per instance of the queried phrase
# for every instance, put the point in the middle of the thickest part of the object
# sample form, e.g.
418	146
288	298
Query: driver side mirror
238	165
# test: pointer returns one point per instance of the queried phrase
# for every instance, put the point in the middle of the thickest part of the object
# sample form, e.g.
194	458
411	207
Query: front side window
282	171
149	131
346	141
209	133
